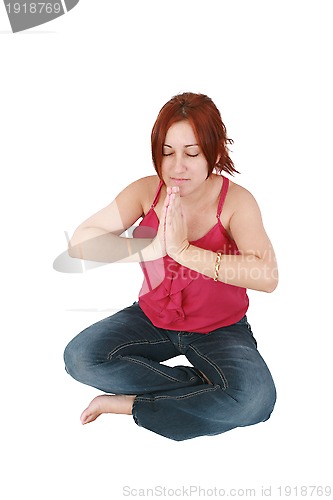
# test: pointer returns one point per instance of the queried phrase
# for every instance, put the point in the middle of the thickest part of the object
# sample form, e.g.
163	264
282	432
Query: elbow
270	287
74	251
264	276
70	252
271	281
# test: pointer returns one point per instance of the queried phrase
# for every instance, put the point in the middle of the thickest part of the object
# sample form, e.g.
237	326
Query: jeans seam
184	396
128	358
141	342
223	377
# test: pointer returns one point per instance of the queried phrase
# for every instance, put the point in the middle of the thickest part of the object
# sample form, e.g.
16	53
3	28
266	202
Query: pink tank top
175	297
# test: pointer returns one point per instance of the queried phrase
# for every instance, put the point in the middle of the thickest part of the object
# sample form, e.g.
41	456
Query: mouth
179	180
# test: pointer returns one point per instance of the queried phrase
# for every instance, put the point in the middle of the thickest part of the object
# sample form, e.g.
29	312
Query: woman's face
183	163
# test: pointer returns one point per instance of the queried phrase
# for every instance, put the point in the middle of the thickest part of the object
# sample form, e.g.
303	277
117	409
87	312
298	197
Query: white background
78	98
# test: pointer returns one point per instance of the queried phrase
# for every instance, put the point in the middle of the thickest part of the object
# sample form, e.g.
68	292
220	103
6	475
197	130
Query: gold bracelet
217	265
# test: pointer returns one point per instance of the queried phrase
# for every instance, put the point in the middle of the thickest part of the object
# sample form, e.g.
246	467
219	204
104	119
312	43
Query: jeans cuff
135	412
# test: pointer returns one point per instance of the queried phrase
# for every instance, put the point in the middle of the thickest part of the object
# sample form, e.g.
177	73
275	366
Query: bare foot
107	403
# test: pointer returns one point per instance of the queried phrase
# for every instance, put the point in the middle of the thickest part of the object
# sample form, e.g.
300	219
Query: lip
179	180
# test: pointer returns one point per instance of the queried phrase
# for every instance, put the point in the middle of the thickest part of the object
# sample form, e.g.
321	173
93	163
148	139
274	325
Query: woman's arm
98	238
254	268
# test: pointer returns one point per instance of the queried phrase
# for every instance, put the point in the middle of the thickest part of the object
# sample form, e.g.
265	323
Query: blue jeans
123	354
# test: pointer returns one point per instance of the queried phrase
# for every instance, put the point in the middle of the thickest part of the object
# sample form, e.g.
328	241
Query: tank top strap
157	194
223	195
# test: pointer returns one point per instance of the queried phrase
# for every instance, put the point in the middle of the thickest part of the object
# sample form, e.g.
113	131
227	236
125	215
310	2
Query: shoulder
240	198
150	183
142	188
146	183
140	193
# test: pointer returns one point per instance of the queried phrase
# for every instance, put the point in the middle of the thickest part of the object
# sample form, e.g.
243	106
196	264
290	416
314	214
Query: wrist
154	251
181	255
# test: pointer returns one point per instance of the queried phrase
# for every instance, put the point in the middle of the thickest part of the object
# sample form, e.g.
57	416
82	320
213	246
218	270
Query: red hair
205	119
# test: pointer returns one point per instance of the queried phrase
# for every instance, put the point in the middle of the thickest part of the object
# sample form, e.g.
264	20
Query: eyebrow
187	145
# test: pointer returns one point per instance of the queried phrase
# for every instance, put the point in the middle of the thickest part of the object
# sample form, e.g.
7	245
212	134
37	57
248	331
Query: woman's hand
176	241
158	243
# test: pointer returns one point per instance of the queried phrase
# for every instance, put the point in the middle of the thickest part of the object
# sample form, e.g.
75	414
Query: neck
200	195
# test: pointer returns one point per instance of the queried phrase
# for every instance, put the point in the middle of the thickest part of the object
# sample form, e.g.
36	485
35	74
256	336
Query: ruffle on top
166	299
176	297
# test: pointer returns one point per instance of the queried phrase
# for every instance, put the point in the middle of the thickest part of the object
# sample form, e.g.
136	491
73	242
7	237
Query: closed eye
187	154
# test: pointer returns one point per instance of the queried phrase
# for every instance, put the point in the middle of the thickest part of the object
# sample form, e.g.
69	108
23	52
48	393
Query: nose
179	166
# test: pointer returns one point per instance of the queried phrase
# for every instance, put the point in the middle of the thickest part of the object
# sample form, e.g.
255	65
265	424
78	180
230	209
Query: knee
69	358
75	358
256	407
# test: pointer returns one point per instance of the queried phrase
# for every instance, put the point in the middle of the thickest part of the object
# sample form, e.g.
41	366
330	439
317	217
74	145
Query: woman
201	243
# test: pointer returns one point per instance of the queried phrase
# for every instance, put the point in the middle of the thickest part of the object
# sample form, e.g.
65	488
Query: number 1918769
305	491
33	8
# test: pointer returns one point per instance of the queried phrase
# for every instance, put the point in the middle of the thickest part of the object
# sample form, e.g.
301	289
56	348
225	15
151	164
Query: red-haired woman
201	243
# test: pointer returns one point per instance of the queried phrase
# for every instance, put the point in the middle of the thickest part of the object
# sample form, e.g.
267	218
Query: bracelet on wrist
217	265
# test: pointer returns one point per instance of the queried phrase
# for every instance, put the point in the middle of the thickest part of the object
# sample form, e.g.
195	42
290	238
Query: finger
170	214
173	204
176	201
170	206
171	198
167	198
